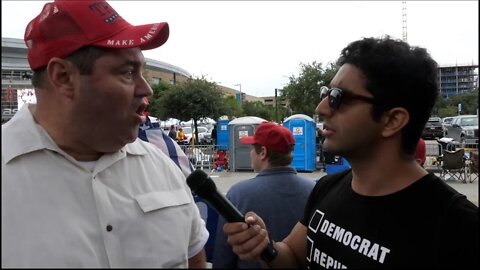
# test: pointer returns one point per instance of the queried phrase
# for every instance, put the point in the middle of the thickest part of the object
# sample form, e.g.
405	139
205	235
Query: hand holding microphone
202	185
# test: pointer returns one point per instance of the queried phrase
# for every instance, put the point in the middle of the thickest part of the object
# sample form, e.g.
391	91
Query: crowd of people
103	192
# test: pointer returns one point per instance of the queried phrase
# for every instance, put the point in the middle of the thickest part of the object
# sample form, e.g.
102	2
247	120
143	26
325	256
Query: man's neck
385	175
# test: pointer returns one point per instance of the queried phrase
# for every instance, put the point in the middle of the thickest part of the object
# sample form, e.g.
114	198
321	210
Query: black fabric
426	225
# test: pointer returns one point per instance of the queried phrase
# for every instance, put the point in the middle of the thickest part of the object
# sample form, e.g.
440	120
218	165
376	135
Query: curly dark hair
397	75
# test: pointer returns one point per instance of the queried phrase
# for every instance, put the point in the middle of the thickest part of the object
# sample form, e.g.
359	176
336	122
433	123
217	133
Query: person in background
421	152
172	133
92	194
277	193
214	135
387	211
181	138
147	132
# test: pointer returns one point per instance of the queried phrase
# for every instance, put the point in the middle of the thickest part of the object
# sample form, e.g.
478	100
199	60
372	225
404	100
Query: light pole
240	85
276	104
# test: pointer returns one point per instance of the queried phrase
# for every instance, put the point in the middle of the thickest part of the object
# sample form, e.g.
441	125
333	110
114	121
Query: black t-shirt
426	225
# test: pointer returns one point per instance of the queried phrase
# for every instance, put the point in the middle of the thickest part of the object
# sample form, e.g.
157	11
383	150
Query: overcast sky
260	44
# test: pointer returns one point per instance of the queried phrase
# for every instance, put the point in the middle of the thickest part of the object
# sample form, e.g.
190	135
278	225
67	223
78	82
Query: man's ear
263	153
62	75
394	120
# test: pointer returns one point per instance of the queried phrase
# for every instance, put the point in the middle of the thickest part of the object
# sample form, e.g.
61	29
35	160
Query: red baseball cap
63	27
272	136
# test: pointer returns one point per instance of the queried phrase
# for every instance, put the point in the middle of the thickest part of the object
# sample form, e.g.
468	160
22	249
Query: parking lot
205	157
224	180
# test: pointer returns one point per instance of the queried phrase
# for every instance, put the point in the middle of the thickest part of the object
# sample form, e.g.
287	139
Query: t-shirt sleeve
462	217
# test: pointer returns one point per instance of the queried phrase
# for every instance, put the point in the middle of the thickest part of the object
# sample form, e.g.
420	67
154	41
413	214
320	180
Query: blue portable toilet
304	152
340	166
223	134
239	154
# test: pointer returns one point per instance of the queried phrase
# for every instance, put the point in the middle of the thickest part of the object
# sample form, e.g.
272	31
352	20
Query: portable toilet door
304	152
239	154
223	135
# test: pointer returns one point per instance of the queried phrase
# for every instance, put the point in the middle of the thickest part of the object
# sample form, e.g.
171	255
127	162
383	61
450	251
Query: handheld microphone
200	183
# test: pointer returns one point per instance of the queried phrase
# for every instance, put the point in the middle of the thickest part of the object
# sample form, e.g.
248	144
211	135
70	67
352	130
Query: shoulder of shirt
21	135
334	177
140	147
442	193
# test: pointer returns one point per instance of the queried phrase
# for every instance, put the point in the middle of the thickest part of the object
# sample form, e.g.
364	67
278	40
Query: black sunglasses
337	96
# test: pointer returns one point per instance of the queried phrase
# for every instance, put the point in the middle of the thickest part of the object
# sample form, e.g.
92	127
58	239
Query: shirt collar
22	135
277	170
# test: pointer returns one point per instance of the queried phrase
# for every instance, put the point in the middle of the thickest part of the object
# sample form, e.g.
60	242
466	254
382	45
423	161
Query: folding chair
221	160
453	165
473	166
434	155
198	158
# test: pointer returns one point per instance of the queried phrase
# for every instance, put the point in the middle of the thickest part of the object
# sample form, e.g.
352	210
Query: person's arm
198	261
248	242
292	250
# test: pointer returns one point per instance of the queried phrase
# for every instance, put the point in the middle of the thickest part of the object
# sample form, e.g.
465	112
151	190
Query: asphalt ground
225	179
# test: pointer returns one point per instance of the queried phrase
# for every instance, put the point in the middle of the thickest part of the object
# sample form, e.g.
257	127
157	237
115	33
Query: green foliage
232	108
257	108
158	90
195	99
303	92
448	106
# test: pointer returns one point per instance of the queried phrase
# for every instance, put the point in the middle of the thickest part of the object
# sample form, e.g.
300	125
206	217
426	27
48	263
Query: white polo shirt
133	210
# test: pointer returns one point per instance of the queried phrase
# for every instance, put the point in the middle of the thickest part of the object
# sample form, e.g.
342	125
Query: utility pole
276	105
240	85
404	20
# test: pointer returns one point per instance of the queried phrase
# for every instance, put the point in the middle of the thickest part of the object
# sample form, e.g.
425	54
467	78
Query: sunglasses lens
323	92
335	98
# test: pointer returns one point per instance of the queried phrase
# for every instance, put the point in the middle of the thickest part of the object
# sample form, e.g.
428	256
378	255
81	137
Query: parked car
201	134
433	129
208	136
464	128
447	121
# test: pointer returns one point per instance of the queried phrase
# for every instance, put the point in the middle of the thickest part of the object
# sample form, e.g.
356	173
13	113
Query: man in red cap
277	193
79	189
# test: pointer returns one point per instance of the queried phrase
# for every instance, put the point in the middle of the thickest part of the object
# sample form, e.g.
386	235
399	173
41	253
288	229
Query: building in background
457	79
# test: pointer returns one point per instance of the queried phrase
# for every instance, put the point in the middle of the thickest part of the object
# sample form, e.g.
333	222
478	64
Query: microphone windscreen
201	184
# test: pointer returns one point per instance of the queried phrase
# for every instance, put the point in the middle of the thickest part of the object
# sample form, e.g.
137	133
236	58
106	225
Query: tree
158	90
194	99
303	92
232	108
257	108
448	106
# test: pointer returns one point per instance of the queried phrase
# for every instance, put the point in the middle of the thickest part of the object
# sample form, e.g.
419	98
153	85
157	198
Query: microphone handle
231	214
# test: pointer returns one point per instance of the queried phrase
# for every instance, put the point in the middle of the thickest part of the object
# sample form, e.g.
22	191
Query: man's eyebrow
133	63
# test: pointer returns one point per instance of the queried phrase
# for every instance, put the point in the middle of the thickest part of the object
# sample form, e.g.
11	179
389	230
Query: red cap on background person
63	27
421	153
272	136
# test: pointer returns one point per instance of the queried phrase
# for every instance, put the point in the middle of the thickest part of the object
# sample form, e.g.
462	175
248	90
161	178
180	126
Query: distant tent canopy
176	122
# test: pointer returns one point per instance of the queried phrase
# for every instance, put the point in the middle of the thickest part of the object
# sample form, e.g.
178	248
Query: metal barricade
201	156
434	153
